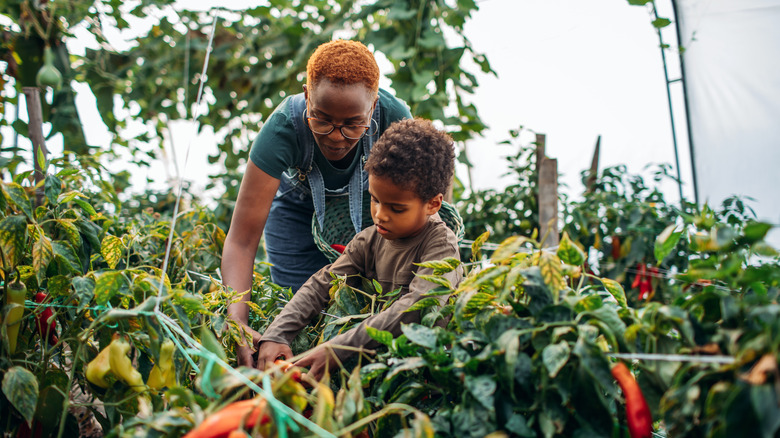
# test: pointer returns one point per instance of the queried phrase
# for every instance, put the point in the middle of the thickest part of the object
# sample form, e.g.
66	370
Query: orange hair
343	62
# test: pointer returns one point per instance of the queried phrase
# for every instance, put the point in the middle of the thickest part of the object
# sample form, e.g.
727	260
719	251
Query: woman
313	146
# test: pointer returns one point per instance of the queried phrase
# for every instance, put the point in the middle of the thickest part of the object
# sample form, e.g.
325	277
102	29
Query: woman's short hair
343	62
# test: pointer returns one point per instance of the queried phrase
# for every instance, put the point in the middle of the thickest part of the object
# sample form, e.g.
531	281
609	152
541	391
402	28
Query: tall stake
35	131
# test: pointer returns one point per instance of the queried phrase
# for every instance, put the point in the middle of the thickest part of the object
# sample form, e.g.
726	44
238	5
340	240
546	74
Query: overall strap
307	169
359	180
305	138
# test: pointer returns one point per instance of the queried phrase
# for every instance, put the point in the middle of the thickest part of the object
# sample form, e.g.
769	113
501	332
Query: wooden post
594	167
548	202
540	150
35	131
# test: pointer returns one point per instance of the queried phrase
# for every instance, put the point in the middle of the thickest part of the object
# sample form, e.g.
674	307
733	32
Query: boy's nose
380	214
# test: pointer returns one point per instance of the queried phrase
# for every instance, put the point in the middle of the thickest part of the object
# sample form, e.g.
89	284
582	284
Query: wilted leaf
21	389
381	336
436	280
67	225
614	288
424	303
552	273
509	248
16	194
569	252
108	285
476	247
111	249
13	236
43	253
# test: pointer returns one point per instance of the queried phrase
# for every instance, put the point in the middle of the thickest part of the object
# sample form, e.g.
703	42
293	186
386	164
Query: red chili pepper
643	281
287	366
339	248
615	247
221	423
45	321
640	420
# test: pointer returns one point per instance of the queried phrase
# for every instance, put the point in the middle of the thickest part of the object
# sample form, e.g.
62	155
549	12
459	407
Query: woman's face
339	105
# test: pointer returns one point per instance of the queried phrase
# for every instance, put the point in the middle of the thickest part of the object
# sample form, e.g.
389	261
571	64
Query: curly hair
343	62
414	155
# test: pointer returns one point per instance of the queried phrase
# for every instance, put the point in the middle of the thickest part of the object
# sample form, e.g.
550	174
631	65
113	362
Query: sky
570	69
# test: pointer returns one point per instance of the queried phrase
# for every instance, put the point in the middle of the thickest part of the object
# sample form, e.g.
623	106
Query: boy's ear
434	204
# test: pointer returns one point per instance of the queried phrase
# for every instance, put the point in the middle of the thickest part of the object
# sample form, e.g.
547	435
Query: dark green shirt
276	147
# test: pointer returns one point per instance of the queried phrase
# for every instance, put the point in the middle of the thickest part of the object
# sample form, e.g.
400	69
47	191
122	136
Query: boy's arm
306	303
391	318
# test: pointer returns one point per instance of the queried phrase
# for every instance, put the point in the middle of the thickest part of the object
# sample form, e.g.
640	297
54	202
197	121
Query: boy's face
398	213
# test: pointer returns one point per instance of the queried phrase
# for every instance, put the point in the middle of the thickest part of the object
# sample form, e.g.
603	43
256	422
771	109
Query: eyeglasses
323	127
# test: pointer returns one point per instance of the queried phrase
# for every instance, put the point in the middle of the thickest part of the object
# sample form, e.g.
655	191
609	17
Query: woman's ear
434	204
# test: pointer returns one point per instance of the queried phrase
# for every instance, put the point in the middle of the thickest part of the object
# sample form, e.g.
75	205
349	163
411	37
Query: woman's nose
336	134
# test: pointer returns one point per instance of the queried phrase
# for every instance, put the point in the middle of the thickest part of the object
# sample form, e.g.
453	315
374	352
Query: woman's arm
238	256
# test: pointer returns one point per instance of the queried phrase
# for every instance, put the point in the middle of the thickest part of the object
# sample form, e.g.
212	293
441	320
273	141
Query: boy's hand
269	351
318	360
245	352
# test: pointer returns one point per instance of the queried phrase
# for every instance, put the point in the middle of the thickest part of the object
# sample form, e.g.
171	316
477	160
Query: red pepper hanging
639	418
45	321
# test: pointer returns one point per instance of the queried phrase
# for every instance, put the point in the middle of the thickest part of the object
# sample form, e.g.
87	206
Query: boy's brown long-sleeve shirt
391	263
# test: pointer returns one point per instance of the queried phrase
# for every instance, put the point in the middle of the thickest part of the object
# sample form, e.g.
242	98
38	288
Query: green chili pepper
16	292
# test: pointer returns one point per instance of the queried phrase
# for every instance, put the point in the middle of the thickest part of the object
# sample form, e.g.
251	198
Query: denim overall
288	237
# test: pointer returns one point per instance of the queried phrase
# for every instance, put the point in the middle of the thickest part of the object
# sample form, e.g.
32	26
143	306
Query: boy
409	169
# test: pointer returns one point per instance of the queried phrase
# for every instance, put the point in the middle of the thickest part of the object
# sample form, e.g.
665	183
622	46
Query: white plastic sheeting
732	78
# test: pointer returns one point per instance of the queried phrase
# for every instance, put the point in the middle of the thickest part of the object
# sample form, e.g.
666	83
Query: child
409	169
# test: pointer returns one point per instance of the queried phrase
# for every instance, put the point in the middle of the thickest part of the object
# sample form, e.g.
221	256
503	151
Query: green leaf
43	253
111	249
381	336
85	206
377	286
638	2
660	22
64	252
108	285
482	388
21	389
13	237
552	273
64	198
555	356
756	231
665	242
569	252
84	290
16	194
614	288
420	335
52	188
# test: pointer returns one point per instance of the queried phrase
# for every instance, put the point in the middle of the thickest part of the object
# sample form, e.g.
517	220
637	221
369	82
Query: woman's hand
318	360
245	352
269	351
